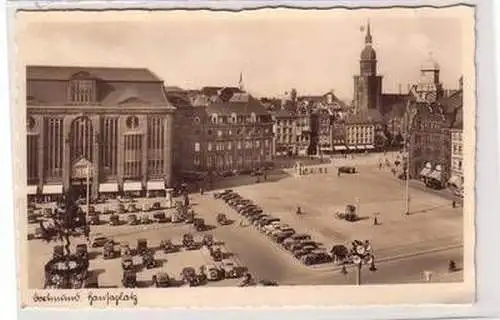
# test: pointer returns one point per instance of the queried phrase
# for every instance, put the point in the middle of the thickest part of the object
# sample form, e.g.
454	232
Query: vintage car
132	220
190	277
315	257
222	219
81	251
142	246
58	252
199	224
188	242
218	195
213	273
282	236
148	260
114	220
132	208
120	209
346	169
108	251
129	279
168	247
216	254
177	218
146	220
303	251
160	217
230	269
94	219
98	241
155	206
127	262
161	280
208	240
125	249
349	214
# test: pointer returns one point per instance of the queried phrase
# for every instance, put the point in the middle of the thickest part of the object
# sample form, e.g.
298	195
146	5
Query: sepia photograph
162	152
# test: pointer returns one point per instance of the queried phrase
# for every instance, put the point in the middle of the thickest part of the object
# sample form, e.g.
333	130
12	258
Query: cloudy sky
313	51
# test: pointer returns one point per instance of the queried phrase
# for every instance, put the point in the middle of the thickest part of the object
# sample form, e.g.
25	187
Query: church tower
429	87
367	85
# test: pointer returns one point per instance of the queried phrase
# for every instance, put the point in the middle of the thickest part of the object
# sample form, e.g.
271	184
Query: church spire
240	83
368	37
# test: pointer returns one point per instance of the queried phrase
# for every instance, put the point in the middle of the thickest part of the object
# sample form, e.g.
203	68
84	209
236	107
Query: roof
251	105
283	113
63	73
453	107
364	116
54	93
368	53
174	89
213	91
392	101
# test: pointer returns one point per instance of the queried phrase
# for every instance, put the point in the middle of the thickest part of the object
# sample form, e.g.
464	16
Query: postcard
272	157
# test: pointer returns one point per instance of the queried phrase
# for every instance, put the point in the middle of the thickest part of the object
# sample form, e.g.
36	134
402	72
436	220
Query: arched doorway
81	151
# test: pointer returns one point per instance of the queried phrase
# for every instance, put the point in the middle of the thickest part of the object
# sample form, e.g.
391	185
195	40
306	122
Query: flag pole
88	190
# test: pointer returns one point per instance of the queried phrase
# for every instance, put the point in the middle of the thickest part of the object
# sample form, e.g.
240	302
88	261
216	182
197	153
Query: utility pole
406	153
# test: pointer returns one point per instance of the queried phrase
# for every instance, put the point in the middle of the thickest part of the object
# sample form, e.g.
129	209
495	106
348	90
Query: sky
312	51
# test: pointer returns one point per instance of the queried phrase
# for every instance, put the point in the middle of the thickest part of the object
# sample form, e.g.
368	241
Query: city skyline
183	52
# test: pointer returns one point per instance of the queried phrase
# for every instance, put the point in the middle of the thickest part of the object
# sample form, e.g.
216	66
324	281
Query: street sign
81	169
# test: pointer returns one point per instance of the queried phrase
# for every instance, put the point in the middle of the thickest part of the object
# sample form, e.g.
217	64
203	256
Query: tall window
81	139
82	91
109	146
156	146
32	157
133	155
53	155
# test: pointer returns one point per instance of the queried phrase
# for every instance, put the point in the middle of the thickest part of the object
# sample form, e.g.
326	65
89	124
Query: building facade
233	132
287	134
108	125
429	143
361	129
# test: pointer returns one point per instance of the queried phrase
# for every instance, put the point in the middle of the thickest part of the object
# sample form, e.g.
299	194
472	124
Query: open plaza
405	246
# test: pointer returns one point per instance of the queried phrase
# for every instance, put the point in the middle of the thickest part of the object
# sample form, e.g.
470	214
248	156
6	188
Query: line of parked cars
301	246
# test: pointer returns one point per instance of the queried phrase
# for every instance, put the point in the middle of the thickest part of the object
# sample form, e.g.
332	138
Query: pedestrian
343	270
375	221
201	191
454	204
380	165
452	267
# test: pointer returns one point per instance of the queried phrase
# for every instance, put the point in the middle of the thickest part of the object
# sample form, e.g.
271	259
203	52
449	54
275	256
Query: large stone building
225	130
113	125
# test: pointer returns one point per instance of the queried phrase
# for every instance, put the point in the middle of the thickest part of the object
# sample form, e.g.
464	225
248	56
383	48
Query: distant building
361	129
287	136
113	124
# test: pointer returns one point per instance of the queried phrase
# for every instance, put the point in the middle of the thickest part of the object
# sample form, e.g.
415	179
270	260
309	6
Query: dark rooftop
64	73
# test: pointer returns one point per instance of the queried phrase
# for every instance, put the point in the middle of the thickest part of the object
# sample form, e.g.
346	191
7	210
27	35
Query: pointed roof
368	37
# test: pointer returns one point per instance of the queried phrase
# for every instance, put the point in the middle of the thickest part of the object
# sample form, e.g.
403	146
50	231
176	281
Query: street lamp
362	254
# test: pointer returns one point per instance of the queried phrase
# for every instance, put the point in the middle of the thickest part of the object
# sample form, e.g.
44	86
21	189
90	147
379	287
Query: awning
108	187
351	147
52	189
456	181
156	185
425	172
132	186
340	147
361	147
435	175
32	190
370	146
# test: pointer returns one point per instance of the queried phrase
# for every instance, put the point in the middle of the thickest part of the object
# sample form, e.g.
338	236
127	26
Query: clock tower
429	87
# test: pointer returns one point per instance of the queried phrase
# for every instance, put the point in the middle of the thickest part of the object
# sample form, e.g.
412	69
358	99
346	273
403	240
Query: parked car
230	269
94	220
129	279
142	246
161	280
190	277
98	241
127	262
168	247
189	217
155	206
218	195
81	251
114	220
208	240
303	251
177	218
145	219
132	220
280	237
148	260
199	224
125	249
216	254
188	242
160	217
120	209
222	219
213	273
108	251
132	208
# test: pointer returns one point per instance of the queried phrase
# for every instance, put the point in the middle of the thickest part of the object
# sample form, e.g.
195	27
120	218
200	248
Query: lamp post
362	254
88	189
410	115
